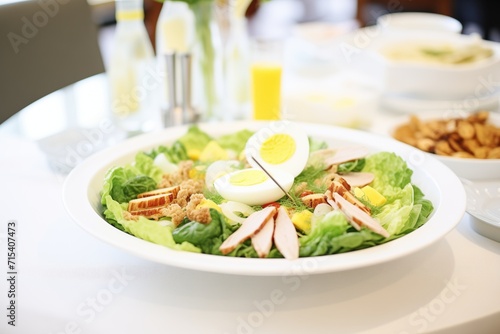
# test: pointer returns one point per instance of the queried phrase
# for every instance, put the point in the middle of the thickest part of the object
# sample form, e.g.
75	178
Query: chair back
44	46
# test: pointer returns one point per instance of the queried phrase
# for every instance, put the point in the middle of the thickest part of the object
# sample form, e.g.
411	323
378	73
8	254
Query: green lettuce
145	166
320	240
390	170
406	208
174	153
235	141
208	237
194	140
333	234
426	206
316	145
125	183
398	216
143	228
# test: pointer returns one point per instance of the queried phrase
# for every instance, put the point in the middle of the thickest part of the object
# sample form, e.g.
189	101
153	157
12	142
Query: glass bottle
237	62
132	71
174	34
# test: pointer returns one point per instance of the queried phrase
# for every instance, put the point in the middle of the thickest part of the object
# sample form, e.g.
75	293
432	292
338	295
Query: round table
67	281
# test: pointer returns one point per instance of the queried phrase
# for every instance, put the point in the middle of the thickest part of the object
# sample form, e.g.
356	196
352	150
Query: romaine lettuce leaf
143	228
194	140
125	183
235	141
395	215
174	153
323	231
426	204
406	208
333	234
135	186
145	165
114	180
390	170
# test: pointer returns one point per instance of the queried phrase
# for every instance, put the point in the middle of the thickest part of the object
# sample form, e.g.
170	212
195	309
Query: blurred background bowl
427	81
466	168
339	101
411	21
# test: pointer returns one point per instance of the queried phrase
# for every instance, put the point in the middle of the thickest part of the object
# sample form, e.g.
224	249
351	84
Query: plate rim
471	187
75	199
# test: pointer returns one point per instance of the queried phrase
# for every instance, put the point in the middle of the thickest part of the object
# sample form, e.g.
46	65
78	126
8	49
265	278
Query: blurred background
280	16
318	67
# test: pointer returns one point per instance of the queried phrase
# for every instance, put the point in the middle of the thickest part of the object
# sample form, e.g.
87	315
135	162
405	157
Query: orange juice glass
266	71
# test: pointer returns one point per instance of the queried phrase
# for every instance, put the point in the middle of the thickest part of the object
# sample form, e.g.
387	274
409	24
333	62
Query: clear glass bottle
132	71
237	62
174	34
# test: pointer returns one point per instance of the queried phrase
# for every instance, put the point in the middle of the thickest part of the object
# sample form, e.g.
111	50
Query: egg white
257	194
295	164
218	169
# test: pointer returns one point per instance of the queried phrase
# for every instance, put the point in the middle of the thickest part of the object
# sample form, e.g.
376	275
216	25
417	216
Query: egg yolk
248	178
277	149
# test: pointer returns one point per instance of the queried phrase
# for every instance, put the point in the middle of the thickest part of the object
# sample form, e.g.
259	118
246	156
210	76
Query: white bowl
321	33
431	81
344	105
470	169
81	195
419	21
483	204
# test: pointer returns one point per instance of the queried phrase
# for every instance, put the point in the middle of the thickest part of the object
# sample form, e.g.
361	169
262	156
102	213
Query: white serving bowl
473	169
431	81
81	197
419	21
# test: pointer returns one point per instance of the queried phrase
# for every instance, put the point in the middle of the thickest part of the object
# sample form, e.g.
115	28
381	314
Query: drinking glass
266	71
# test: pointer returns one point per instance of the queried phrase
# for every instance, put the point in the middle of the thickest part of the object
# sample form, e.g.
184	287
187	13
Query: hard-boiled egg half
252	186
218	169
281	148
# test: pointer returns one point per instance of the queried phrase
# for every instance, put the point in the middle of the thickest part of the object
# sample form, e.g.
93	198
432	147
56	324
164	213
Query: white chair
45	46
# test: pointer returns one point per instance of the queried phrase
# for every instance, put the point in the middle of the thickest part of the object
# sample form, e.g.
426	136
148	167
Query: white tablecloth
70	282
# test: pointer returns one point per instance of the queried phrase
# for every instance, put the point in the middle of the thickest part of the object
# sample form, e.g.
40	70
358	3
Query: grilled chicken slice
248	228
338	185
346	154
170	190
285	236
262	241
161	200
150	213
358	217
358	179
333	204
313	200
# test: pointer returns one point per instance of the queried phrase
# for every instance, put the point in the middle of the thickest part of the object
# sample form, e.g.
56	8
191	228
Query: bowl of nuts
469	144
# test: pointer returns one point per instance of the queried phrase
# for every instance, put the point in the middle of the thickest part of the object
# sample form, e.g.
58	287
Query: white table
70	282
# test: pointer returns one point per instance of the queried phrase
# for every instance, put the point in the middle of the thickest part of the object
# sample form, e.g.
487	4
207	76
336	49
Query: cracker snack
463	137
